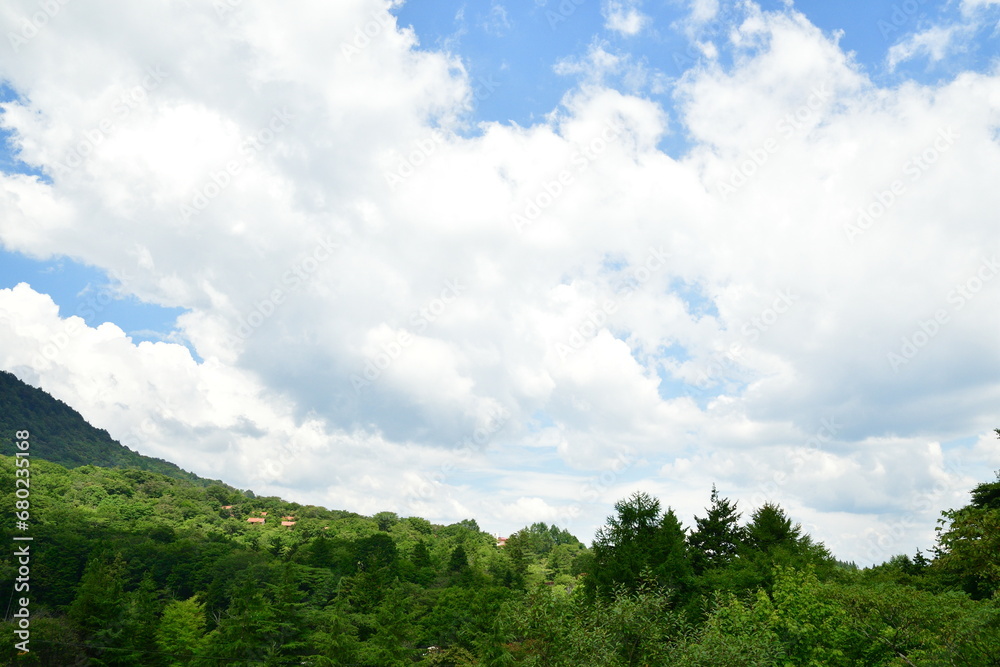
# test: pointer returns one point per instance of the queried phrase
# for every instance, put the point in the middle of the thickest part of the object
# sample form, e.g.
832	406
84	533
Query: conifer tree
717	537
637	543
181	631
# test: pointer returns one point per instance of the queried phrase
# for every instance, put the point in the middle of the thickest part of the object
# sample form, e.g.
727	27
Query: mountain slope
61	435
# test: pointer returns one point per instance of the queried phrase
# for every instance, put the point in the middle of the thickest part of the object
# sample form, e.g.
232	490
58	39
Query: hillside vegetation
62	435
134	567
131	567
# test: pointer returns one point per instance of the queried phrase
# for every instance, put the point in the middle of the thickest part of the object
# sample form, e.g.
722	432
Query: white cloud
703	11
934	42
624	16
363	234
497	21
601	67
969	6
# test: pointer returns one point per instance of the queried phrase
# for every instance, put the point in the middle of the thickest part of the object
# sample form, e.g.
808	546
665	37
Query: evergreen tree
264	622
142	609
717	537
99	610
770	528
636	544
181	631
671	560
335	637
459	561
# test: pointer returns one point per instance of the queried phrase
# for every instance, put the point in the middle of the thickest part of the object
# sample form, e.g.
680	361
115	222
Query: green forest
134	567
131	567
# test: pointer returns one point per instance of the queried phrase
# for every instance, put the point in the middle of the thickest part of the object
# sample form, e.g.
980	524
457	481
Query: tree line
131	567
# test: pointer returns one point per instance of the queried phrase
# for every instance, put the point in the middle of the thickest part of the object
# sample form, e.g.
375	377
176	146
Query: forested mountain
131	567
61	435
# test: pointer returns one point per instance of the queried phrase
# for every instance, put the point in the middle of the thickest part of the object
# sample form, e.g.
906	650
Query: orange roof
254	519
287	523
288	518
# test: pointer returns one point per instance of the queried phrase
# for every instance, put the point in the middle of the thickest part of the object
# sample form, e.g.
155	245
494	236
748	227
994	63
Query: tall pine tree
717	537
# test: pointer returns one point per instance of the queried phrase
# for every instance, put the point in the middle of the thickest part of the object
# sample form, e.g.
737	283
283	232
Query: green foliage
550	629
454	656
772	540
131	567
386	520
969	545
716	538
181	631
639	545
968	548
59	434
734	634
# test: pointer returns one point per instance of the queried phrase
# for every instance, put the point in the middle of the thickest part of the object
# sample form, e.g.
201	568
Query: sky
514	260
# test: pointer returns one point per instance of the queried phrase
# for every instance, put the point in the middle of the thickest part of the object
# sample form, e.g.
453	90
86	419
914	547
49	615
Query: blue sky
581	236
510	51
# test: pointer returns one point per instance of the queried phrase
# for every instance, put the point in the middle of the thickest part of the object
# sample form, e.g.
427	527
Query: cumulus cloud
704	10
377	290
624	16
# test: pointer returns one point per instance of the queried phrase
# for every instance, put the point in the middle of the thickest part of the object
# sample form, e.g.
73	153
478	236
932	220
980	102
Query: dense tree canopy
132	567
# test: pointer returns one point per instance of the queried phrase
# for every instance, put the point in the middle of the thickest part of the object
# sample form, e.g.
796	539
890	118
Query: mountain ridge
61	435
